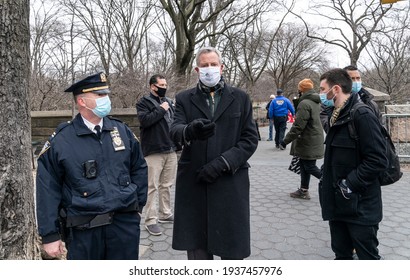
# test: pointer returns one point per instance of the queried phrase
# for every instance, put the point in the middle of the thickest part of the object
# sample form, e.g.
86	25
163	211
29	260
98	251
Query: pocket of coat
344	151
124	180
88	197
346	205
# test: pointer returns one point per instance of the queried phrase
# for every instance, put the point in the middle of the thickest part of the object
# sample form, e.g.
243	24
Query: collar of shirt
91	126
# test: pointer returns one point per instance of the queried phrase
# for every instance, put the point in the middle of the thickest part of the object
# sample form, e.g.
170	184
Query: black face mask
161	91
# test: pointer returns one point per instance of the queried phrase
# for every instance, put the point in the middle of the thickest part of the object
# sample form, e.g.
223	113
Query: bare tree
389	56
18	237
98	18
56	53
350	24
250	45
292	56
197	21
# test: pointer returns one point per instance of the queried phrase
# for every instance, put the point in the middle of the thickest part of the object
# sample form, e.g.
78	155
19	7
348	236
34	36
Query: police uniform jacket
359	162
306	133
120	182
214	216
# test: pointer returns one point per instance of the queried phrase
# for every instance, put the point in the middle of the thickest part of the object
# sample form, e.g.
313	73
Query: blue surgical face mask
103	106
210	76
356	87
325	101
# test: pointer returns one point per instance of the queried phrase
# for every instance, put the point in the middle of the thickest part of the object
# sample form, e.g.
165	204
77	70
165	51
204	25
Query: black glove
200	129
282	145
212	170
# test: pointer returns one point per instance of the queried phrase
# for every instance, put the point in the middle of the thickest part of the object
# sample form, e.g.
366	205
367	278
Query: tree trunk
18	238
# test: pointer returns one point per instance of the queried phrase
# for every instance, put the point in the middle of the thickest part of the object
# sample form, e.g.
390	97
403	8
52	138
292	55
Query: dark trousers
307	168
347	236
117	241
202	254
280	128
270	129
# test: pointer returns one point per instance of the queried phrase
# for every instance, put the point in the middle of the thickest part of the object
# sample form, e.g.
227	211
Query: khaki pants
162	171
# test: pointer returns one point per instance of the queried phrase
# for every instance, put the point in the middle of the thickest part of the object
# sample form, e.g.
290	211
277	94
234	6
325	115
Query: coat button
85	194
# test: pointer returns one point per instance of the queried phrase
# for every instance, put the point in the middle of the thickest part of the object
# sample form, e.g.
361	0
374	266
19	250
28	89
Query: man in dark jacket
91	181
357	90
214	123
278	111
155	113
306	136
350	193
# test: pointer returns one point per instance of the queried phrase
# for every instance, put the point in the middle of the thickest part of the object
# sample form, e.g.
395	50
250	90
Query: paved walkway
283	228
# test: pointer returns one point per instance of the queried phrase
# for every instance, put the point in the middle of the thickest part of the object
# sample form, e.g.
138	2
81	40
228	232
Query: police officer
91	181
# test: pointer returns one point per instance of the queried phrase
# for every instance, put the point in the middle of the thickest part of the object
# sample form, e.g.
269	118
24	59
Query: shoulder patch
45	148
47	144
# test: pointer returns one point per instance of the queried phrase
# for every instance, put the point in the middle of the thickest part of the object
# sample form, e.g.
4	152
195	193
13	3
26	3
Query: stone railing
44	123
397	120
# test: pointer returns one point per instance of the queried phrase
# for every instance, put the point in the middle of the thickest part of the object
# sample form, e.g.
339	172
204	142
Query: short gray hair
208	50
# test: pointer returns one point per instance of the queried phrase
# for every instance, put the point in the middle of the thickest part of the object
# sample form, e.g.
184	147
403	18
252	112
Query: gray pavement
283	228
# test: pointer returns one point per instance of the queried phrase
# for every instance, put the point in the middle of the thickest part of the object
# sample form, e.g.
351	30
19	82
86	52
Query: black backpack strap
351	125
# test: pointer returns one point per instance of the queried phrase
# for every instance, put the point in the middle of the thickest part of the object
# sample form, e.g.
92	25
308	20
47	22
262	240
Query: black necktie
98	129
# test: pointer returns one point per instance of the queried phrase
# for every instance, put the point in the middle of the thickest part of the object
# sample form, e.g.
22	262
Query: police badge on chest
117	142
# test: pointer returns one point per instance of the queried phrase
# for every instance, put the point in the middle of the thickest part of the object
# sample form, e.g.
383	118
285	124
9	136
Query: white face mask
209	76
102	108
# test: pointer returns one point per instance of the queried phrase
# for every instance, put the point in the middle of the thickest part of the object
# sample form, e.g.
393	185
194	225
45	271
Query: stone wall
44	123
398	122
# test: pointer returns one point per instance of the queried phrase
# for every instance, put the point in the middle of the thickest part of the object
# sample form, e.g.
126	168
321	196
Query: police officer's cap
279	91
96	83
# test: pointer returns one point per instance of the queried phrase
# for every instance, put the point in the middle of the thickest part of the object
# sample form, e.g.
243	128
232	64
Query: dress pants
116	241
162	170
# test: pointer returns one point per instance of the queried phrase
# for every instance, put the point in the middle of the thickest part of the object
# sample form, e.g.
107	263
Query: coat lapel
226	99
199	101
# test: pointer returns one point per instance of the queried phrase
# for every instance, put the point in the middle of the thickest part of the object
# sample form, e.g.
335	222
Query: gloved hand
200	129
212	170
344	189
282	145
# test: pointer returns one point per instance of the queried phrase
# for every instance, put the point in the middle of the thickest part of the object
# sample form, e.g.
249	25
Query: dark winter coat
155	122
359	162
214	217
306	133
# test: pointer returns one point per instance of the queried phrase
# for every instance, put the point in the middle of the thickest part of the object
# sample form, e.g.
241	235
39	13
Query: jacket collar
198	99
81	129
344	115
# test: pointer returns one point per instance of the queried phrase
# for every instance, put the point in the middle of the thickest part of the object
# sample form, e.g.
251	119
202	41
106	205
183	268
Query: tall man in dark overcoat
213	121
350	195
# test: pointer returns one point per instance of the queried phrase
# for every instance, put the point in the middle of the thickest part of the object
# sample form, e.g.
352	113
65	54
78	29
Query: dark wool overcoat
359	162
214	217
